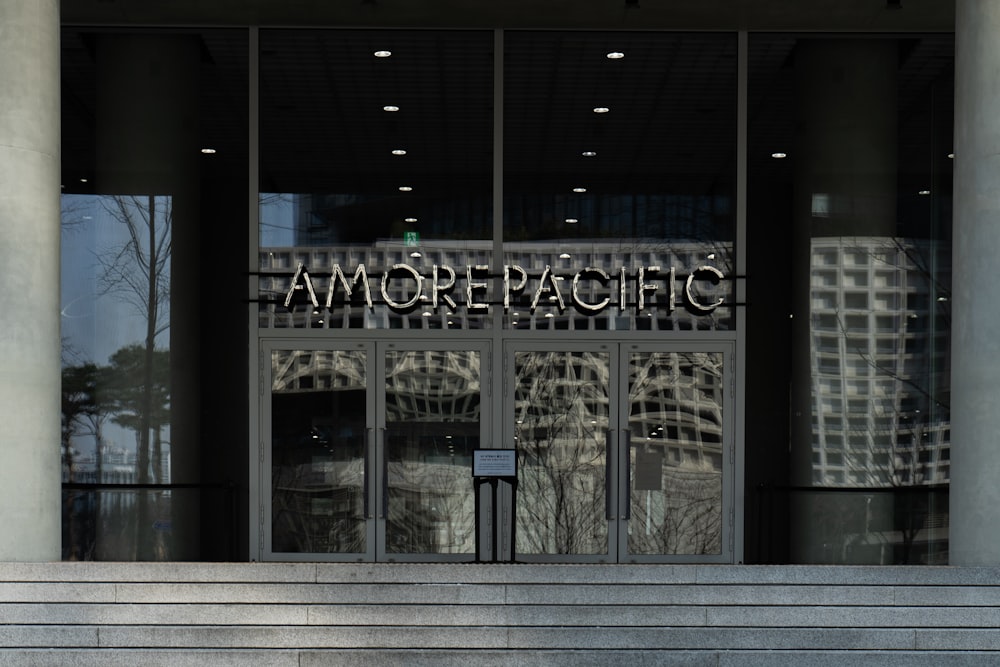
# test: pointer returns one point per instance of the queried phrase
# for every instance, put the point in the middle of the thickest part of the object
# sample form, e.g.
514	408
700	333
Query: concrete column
845	187
29	265
975	395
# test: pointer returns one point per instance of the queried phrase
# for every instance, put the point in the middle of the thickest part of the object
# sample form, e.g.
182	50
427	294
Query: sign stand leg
494	486
513	519
478	487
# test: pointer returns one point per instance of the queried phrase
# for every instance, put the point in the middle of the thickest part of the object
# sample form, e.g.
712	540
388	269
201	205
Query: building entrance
624	451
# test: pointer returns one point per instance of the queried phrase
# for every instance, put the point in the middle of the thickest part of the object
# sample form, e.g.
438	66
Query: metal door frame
511	348
375	441
727	349
419	345
617	465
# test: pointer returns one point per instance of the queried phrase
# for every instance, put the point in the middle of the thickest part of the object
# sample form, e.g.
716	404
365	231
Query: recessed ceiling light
399	151
549	315
924	192
579	189
572	221
410	219
565	255
779	155
616	55
390	107
208	151
83	180
415	254
951	156
589	153
383	54
601	109
425	314
405	188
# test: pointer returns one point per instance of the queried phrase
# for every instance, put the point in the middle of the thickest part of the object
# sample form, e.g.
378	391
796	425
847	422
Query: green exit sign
411	239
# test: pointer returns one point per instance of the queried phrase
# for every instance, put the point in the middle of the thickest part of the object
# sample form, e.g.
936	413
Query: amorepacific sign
634	289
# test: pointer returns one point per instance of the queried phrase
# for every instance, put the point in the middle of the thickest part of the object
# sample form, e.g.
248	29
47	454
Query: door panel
372	470
562	406
675	436
319	450
432	411
622	451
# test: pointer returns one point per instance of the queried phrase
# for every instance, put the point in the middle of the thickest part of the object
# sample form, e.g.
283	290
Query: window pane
319	447
153	171
373	161
620	163
850	177
432	415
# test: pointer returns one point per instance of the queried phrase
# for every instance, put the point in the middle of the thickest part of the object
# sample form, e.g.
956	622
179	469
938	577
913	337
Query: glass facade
525	240
621	162
850	163
373	161
154	157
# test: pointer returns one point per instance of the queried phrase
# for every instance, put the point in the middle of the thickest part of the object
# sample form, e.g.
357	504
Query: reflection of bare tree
561	406
686	520
138	272
676	426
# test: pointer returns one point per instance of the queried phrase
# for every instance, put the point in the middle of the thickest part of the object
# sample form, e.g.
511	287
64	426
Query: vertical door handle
385	477
627	457
607	476
365	474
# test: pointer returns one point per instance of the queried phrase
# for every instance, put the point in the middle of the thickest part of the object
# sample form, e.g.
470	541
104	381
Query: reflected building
880	334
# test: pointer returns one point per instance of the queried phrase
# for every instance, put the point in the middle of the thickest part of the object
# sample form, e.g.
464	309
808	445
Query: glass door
318	404
624	451
431	413
561	402
675	454
370	450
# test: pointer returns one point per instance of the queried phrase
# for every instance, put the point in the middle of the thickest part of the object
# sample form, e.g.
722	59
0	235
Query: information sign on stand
494	463
489	466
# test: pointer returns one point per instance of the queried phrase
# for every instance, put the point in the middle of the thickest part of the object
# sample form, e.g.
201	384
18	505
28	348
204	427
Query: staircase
311	615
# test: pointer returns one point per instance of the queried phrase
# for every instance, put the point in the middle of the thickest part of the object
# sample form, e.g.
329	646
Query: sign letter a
300	281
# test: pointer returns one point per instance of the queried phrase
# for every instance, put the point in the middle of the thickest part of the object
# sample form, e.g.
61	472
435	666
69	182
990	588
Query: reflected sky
97	319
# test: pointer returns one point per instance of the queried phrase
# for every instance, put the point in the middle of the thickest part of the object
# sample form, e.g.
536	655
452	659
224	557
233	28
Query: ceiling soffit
758	15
